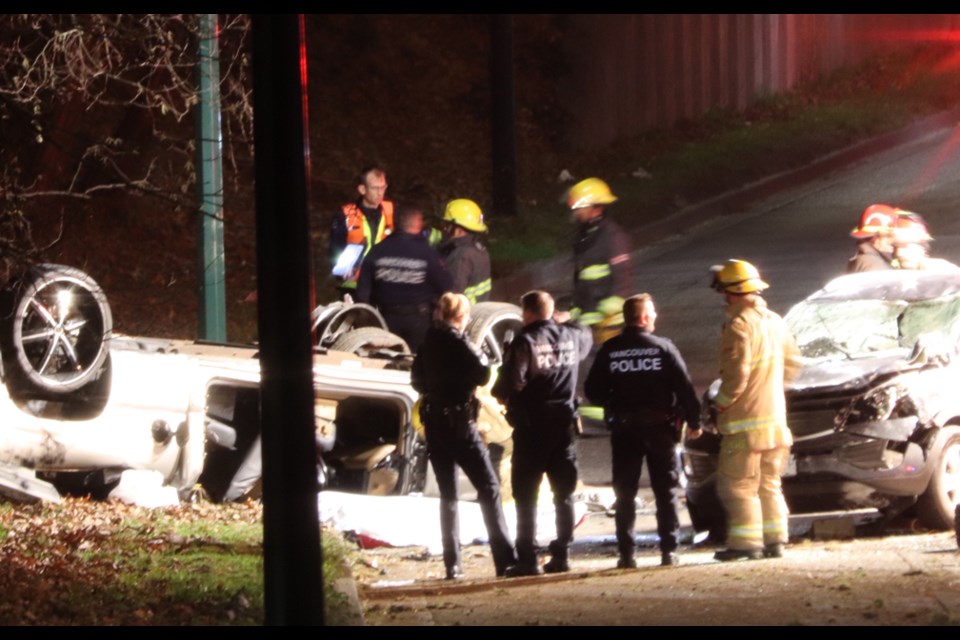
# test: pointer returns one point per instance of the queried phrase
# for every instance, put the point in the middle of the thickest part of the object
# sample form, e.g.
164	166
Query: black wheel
936	507
55	331
368	341
492	324
336	319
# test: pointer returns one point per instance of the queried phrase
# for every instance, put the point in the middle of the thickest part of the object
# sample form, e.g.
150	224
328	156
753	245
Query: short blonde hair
452	306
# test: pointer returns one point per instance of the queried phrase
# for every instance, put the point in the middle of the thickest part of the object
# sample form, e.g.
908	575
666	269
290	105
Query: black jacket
402	270
447	369
638	372
540	367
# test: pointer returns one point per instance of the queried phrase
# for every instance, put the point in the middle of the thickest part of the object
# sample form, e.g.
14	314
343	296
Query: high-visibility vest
358	228
359	232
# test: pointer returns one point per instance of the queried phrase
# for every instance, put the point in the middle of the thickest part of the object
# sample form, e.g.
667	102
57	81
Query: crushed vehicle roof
895	284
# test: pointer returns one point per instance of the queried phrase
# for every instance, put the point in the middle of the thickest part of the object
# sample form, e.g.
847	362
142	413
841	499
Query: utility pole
293	585
210	252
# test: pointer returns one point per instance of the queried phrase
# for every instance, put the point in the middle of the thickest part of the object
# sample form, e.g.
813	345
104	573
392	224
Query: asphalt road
798	239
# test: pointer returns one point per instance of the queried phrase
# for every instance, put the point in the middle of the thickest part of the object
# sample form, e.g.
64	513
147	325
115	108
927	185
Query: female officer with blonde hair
447	371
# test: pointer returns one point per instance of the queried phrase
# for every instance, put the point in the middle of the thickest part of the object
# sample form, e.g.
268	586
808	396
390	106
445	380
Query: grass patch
338	556
104	563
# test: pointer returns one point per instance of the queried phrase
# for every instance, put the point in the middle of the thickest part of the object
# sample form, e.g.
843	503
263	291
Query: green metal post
210	254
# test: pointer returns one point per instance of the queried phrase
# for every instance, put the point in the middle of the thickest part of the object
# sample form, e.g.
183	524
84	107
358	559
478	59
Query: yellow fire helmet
465	213
737	276
589	192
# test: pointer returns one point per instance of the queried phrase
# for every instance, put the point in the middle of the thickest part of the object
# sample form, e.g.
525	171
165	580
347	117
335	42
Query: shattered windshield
848	329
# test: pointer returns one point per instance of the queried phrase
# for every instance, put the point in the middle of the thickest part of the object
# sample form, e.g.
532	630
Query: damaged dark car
875	411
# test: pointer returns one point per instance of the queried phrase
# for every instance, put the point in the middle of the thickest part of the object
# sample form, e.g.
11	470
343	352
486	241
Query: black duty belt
406	309
451	408
643	415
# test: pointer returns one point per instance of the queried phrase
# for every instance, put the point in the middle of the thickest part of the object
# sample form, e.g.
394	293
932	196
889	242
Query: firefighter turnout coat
468	262
757	354
602	274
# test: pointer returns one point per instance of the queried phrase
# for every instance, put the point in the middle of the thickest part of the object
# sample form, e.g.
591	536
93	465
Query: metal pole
504	132
293	586
210	255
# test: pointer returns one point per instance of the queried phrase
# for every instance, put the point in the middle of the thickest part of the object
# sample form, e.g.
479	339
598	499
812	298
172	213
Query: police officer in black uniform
403	276
642	383
446	371
537	383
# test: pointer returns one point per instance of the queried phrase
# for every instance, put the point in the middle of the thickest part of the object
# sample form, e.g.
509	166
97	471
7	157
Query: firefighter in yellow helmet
602	273
757	355
601	255
463	251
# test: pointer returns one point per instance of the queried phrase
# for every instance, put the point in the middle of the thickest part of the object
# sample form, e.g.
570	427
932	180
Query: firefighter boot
726	555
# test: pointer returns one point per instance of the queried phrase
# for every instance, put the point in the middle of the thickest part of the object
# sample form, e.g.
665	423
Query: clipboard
349	260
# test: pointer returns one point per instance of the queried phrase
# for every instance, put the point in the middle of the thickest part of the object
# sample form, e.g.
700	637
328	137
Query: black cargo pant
545	445
452	441
409	321
631	441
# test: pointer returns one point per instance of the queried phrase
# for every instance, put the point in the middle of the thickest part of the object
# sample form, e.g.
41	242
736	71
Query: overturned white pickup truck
365	410
77	404
81	405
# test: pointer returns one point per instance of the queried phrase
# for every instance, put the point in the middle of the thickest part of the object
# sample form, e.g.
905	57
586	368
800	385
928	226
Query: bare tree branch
72	84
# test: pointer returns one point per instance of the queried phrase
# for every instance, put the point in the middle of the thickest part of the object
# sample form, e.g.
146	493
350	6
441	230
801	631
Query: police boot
558	559
523	569
454	572
450	534
527	564
626	561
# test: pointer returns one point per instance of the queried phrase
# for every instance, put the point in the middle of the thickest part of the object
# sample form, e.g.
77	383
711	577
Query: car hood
848	373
